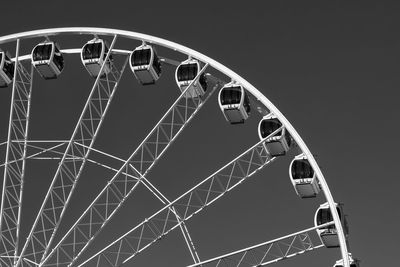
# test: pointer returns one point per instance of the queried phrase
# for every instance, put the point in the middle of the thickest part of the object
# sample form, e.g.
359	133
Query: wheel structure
52	242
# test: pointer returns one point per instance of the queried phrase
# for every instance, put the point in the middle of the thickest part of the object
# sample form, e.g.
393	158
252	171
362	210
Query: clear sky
331	67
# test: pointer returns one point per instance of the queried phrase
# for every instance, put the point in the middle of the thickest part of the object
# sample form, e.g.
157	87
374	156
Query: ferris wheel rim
219	67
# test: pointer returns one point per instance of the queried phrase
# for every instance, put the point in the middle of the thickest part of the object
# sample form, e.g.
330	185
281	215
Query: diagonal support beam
271	251
44	153
52	148
14	171
188	239
186	206
69	170
121	186
183	227
55	149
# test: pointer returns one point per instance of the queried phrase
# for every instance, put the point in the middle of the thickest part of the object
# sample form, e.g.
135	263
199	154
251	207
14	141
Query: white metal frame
14	171
68	172
187	205
56	147
269	252
138	165
218	66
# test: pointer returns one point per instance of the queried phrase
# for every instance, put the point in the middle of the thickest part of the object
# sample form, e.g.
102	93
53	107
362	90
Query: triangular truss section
14	165
187	205
72	162
138	165
268	252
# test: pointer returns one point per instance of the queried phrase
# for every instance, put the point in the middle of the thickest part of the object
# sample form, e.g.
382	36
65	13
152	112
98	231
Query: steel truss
174	213
53	150
120	187
44	150
72	163
14	171
186	206
271	251
56	147
182	225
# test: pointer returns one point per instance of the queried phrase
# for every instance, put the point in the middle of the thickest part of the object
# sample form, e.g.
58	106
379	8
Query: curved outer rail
218	66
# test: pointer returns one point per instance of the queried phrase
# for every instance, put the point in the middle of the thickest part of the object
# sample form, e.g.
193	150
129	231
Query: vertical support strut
69	170
121	186
14	170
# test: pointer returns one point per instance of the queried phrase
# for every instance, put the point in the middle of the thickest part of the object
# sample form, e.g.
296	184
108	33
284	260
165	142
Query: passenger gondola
303	177
328	234
234	103
6	69
93	55
48	60
353	262
185	74
145	64
278	144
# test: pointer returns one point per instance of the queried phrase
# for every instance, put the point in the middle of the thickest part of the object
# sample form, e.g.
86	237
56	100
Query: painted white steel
10	122
9	136
48	198
136	171
252	166
353	262
14	175
218	66
260	245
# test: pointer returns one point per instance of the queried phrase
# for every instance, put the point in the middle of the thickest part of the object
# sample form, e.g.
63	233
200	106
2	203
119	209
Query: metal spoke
70	169
192	202
14	170
121	186
271	251
127	174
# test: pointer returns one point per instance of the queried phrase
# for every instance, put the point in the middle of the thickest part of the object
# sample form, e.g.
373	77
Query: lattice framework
71	167
14	169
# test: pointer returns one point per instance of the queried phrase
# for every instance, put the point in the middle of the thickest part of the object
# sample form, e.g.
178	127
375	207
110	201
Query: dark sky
331	67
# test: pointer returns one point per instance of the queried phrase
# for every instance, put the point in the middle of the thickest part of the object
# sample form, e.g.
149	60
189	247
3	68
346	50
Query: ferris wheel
105	57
